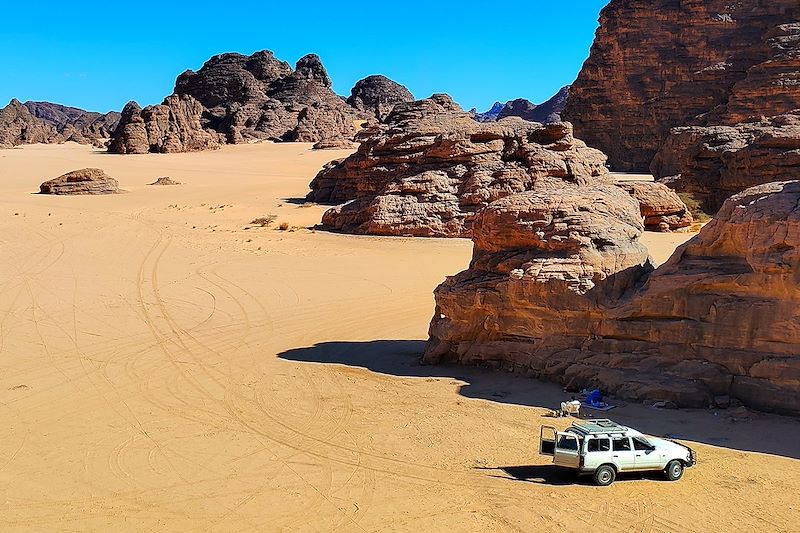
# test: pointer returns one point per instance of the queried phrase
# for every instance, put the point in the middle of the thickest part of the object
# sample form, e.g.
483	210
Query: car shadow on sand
401	358
555	476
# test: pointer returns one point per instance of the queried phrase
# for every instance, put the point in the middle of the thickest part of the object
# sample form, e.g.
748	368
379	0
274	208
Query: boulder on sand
165	180
661	207
83	181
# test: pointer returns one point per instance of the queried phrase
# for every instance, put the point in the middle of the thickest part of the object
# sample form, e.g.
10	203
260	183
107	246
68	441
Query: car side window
641	444
598	445
622	444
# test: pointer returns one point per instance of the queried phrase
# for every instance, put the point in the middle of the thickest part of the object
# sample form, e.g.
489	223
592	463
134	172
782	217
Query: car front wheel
674	470
604	475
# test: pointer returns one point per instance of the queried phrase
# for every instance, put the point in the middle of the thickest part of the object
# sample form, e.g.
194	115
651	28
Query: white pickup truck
603	448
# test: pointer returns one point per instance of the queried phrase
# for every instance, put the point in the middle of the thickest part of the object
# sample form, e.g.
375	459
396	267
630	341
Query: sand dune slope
162	368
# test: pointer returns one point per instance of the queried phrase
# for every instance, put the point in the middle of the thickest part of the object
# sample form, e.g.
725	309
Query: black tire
604	475
674	470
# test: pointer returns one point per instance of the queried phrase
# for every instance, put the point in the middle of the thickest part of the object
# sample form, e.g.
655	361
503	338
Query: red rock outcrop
431	168
173	126
661	207
560	288
84	181
659	64
717	161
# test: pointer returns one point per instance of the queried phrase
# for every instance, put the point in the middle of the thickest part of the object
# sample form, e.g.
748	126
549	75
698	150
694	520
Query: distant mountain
73	123
546	112
43	122
19	126
487	116
549	111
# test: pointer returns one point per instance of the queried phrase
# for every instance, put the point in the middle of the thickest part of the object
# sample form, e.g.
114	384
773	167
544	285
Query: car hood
669	445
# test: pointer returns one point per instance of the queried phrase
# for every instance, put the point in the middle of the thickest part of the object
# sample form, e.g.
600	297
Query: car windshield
568	442
641	443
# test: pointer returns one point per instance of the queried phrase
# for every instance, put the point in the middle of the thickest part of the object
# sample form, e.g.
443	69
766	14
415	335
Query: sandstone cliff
560	288
659	64
431	168
718	161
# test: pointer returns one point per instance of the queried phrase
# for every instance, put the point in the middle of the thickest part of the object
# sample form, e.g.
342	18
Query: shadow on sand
553	475
765	433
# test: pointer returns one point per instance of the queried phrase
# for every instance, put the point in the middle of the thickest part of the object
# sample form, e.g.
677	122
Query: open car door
567	451
547	441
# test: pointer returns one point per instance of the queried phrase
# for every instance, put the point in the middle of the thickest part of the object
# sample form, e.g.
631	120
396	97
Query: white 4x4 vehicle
603	449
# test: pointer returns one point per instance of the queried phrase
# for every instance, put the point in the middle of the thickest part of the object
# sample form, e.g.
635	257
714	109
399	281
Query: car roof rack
598	426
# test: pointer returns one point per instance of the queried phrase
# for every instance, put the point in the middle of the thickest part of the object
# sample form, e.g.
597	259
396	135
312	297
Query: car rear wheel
604	475
674	470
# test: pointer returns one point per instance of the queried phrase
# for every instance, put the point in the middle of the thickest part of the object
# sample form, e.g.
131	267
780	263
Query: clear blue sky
100	54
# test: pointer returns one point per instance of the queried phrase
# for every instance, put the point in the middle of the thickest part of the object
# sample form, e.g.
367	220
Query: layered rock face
560	288
659	64
718	161
74	124
260	97
18	126
431	168
661	208
84	181
173	126
377	96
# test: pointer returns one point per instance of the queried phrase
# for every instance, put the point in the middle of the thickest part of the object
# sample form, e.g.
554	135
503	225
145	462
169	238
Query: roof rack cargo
598	425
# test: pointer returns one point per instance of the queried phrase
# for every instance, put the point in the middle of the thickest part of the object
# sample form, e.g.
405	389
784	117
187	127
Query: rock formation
377	96
431	168
659	64
18	126
661	208
173	126
74	124
259	97
84	181
560	288
718	161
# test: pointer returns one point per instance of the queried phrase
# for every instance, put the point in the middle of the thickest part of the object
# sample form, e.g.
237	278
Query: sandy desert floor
164	368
